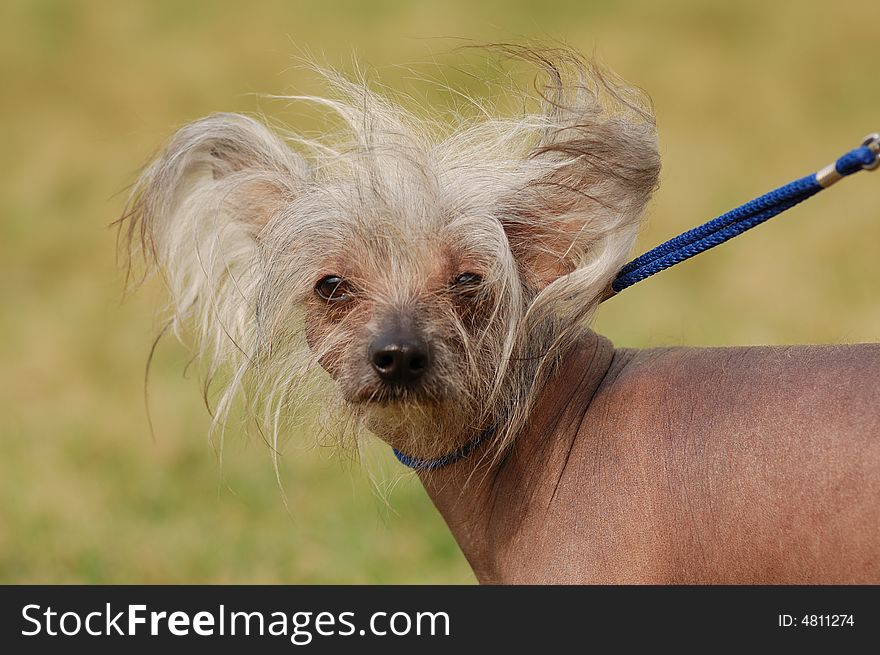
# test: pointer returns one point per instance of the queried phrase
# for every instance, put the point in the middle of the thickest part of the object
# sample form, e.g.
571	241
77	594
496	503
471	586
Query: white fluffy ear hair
572	226
198	212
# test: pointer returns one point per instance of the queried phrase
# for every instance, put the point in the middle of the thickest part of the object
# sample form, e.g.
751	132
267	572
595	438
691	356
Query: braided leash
864	158
745	217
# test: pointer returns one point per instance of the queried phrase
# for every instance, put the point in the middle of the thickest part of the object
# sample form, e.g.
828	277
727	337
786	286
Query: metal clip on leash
866	157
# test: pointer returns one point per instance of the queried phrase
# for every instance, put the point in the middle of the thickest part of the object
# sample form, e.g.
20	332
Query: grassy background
748	94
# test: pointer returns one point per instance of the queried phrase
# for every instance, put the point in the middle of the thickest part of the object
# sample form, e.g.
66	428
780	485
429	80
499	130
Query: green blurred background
748	94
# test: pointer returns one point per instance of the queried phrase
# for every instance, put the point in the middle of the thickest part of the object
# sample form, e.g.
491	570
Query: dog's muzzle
400	356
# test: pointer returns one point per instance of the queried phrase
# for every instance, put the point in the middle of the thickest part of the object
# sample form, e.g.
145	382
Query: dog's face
406	321
409	306
428	277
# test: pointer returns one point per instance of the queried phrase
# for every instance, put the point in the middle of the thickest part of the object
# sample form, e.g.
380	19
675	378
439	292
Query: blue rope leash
745	217
866	157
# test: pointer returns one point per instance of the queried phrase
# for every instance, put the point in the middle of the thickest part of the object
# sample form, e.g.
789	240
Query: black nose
399	356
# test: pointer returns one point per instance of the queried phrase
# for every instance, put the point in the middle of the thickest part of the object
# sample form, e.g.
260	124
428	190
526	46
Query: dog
433	284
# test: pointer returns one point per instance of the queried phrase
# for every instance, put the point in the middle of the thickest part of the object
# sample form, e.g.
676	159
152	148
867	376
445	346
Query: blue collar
419	464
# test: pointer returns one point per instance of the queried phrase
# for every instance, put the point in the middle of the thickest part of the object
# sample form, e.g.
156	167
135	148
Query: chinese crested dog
407	277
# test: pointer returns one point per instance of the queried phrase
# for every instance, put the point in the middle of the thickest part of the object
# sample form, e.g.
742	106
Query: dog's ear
589	178
227	170
198	212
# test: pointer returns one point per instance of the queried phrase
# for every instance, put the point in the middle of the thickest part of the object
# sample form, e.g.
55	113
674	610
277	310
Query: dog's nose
400	357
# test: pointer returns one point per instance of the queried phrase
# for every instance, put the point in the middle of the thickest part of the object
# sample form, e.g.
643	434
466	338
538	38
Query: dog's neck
682	465
466	491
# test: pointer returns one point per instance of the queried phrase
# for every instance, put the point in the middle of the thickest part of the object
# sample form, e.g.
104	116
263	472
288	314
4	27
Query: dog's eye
333	288
467	281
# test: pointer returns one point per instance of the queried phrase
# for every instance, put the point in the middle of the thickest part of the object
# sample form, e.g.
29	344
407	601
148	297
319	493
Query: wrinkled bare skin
683	465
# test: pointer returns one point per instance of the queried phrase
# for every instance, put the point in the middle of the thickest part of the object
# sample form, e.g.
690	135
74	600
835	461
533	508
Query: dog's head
412	279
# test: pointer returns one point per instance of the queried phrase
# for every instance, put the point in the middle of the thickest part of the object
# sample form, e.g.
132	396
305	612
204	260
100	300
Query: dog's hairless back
683	465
